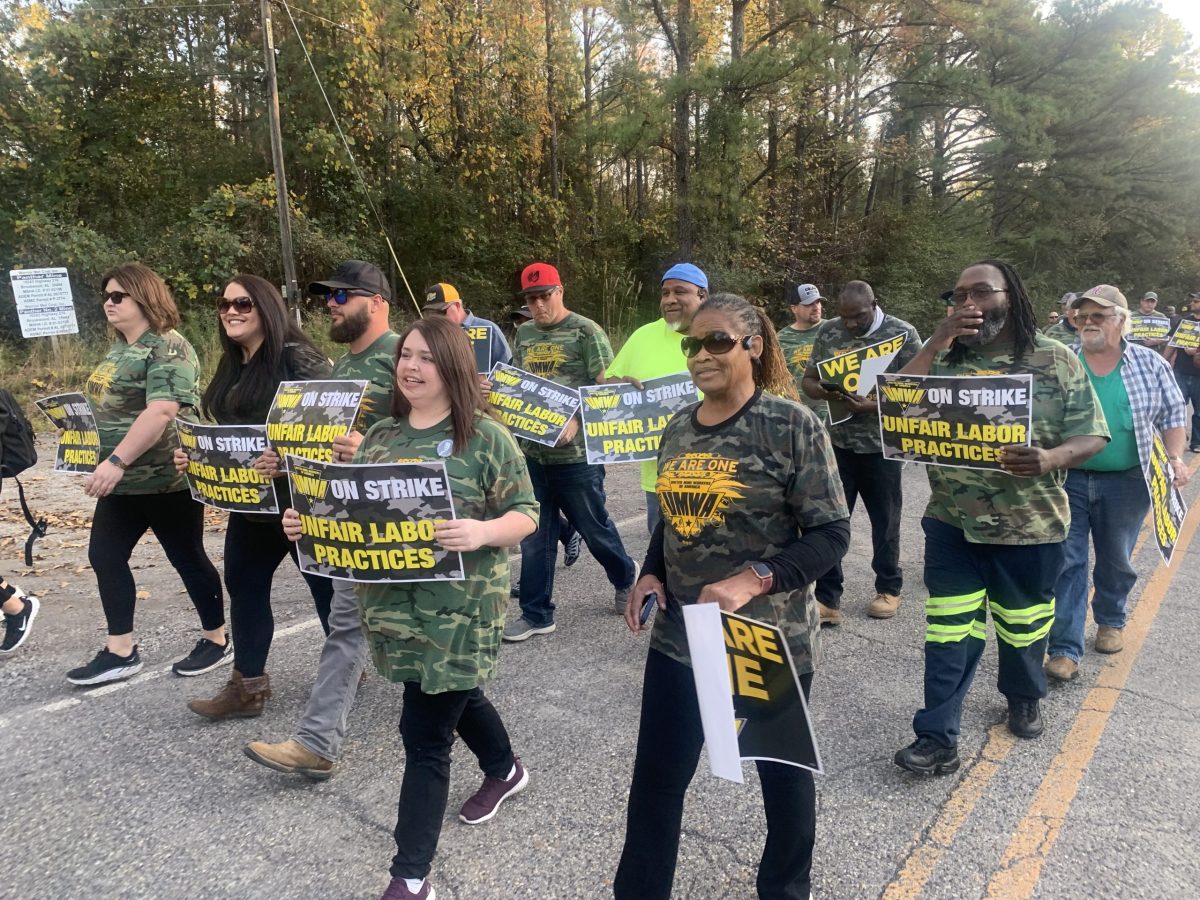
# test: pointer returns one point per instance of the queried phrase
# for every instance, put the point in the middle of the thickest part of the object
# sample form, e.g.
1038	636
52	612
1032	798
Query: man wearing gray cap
1108	493
796	339
1064	330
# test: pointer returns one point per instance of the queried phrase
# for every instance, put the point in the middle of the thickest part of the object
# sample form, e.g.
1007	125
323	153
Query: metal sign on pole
291	291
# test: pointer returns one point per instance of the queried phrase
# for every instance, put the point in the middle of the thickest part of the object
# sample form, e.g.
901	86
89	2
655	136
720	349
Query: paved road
121	792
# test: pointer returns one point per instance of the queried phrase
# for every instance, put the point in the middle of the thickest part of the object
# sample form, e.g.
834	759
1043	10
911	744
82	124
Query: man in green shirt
994	539
570	350
656	350
864	472
796	339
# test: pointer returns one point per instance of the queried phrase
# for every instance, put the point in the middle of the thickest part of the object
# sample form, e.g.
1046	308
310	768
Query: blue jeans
577	490
1189	385
1110	505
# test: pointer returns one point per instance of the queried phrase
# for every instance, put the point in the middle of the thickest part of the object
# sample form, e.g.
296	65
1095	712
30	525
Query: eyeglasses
1095	318
975	293
718	343
539	296
114	297
240	304
341	296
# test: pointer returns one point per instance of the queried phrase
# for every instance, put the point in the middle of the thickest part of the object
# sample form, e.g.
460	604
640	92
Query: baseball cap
354	275
1150	295
805	295
519	315
1105	295
440	295
1068	298
538	277
687	272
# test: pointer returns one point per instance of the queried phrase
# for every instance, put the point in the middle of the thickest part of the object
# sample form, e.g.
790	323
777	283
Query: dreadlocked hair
1020	312
770	369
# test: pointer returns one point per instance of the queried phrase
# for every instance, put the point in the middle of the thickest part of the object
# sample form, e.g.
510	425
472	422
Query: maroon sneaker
494	791
398	890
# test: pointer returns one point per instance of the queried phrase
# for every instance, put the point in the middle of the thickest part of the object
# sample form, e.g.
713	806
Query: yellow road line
928	847
1036	834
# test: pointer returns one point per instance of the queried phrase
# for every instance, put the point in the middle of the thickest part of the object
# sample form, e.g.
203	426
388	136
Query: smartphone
649	602
832	388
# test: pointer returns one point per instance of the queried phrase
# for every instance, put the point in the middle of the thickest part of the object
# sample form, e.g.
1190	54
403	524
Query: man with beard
656	350
1187	372
797	337
357	296
994	539
1064	330
1108	493
858	448
570	350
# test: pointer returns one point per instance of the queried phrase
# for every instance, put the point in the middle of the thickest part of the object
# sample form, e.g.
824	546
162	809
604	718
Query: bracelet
1178	459
118	462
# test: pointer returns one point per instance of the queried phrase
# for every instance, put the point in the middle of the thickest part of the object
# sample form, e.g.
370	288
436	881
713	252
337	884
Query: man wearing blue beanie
655	350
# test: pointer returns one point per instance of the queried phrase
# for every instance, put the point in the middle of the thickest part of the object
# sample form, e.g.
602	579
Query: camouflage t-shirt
154	367
737	493
376	365
1061	333
572	353
446	634
994	507
797	349
861	433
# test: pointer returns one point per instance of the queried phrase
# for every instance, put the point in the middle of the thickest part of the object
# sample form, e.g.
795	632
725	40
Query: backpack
17	453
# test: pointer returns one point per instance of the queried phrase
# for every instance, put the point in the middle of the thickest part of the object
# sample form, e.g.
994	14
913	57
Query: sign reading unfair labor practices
624	424
532	407
1186	335
1166	502
373	523
751	705
220	470
1148	327
854	373
965	423
306	416
480	337
79	443
44	302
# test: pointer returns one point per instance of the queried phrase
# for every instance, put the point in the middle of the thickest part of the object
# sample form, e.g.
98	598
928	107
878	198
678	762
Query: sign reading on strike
306	416
1186	335
220	471
962	422
751	704
79	443
854	372
1148	327
624	424
373	523
532	407
1166	502
44	302
480	337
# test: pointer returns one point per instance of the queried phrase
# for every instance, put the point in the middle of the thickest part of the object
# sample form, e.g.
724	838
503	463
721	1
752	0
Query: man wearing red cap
566	348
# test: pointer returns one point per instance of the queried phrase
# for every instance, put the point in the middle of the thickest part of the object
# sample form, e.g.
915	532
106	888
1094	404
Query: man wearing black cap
443	299
357	296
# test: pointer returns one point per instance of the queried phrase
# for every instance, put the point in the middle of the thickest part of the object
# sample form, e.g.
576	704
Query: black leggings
254	548
669	740
177	521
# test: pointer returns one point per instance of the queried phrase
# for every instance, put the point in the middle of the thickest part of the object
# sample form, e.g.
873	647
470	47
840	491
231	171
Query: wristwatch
766	578
118	462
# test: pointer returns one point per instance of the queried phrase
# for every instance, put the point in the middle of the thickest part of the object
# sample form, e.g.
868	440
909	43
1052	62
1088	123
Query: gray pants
323	728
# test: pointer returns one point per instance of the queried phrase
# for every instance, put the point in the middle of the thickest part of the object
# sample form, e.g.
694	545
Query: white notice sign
44	302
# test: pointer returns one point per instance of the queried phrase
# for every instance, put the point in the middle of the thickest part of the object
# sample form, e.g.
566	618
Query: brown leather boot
241	698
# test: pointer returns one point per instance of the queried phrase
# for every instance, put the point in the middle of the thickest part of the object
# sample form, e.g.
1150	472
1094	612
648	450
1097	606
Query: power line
350	154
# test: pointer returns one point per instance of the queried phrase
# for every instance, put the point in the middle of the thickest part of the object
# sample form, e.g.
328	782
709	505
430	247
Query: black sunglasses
240	304
341	296
718	343
114	297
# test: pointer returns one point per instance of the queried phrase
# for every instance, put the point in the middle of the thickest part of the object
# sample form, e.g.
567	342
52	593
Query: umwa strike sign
940	420
306	416
373	522
751	705
624	424
532	407
79	442
1166	502
853	373
220	470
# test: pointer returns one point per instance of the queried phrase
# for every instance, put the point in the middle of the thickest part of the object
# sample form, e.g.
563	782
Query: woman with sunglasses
147	379
263	346
441	638
753	512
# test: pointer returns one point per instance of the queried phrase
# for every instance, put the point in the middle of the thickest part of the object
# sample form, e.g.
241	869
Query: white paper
706	643
44	302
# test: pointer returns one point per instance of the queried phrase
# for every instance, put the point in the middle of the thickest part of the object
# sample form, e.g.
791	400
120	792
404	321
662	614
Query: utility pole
291	290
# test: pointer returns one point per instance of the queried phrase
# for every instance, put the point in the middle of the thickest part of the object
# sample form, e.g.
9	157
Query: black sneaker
1025	719
925	756
572	550
205	657
18	625
106	667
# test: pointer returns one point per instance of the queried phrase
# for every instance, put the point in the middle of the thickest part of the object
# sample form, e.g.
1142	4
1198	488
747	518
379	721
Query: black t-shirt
1184	364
